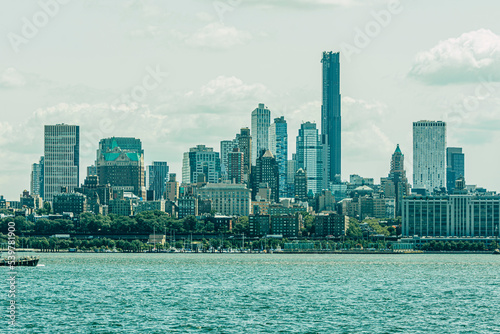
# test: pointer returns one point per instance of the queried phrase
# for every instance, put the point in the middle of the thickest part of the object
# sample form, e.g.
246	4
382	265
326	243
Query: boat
27	261
496	252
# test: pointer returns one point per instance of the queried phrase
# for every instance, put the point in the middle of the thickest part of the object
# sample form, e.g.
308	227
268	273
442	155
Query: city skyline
387	82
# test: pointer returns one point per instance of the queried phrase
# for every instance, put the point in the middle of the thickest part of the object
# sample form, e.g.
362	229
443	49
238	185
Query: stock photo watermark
30	28
464	109
371	30
11	263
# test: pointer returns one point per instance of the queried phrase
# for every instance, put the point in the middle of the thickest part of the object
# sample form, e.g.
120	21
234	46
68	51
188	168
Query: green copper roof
112	156
398	150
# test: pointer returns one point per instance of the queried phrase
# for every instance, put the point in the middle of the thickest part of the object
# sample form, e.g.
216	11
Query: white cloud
225	89
469	58
218	36
12	78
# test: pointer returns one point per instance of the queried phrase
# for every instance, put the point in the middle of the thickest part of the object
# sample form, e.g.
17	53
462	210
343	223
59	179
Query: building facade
201	160
331	224
310	156
228	199
278	145
226	146
429	156
331	114
36	184
261	119
158	177
451	216
244	140
61	159
266	174
120	163
455	167
236	166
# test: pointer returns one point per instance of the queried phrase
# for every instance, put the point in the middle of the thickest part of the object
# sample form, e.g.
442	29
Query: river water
256	293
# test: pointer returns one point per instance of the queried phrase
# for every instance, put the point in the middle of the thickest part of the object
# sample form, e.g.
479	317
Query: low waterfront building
187	206
149	206
451	216
286	225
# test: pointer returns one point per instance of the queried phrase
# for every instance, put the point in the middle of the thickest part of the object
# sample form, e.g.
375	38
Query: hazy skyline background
428	60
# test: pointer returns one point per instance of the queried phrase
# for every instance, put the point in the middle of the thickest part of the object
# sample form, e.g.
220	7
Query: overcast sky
180	73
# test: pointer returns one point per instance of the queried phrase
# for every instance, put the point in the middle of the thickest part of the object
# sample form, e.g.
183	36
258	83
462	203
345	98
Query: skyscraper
266	173
455	166
429	144
226	146
396	184
61	159
236	166
331	115
37	178
278	145
120	163
158	177
201	160
261	119
244	141
309	156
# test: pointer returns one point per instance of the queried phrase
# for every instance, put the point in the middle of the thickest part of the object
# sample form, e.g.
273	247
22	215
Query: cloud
225	89
469	58
12	78
218	36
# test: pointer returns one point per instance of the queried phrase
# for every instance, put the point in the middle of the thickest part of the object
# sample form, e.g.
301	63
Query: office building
75	203
61	159
265	174
236	166
120	163
300	185
172	188
226	146
227	199
463	215
36	184
309	156
455	167
201	160
244	141
158	177
261	119
396	184
278	145
331	115
429	155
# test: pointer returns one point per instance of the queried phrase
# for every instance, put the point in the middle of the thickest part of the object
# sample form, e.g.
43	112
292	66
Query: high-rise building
244	142
235	165
265	174
396	184
331	115
37	178
226	146
300	185
429	145
261	119
158	177
201	160
172	188
455	166
120	163
290	177
61	159
278	145
309	156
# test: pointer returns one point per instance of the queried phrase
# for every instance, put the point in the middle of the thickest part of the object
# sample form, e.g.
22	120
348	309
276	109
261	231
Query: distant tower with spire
396	184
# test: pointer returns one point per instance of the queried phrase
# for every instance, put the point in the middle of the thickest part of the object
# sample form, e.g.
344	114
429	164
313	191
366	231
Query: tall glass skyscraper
429	158
331	115
278	145
61	159
158	177
37	178
455	166
201	160
261	119
309	156
226	146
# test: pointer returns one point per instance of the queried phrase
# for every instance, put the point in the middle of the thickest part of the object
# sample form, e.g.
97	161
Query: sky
181	73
